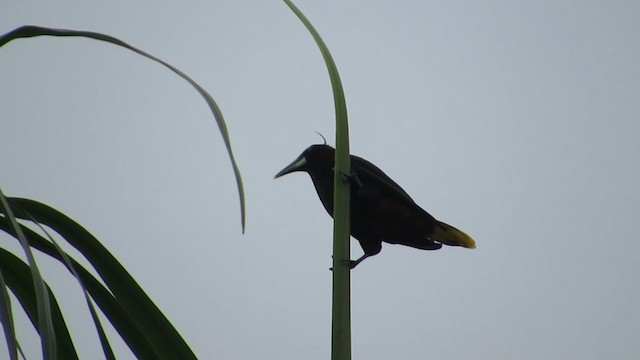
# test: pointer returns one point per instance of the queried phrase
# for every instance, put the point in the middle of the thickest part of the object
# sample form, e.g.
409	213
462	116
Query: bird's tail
448	235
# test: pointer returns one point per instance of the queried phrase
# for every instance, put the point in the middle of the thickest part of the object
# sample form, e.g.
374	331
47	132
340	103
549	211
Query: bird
380	211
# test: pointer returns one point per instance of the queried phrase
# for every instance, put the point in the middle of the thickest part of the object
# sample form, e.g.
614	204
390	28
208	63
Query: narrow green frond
18	277
341	310
29	31
122	322
104	342
45	325
158	330
6	317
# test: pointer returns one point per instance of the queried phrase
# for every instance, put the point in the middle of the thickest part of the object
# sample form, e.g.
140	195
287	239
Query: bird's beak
296	165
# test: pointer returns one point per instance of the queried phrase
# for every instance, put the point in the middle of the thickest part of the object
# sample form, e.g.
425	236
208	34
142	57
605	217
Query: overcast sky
515	121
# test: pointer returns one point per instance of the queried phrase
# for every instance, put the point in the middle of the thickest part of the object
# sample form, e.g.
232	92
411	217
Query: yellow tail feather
448	235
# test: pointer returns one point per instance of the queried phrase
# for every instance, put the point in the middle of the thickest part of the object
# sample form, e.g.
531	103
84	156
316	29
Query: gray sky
515	121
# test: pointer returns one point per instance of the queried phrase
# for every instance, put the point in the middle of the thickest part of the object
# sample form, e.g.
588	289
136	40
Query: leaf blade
29	31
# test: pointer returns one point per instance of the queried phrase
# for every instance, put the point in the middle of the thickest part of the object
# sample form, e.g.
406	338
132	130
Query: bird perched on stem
380	209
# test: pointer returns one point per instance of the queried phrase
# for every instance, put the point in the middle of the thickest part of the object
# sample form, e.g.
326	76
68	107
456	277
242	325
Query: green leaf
6	317
115	313
18	277
29	31
45	325
152	323
341	311
66	260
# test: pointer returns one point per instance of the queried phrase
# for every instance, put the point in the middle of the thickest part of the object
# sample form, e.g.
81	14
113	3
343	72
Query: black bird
380	209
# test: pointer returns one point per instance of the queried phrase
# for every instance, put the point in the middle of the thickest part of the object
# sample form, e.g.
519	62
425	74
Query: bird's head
314	159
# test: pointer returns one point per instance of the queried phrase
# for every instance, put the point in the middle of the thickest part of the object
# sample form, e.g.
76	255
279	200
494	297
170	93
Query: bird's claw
353	178
348	263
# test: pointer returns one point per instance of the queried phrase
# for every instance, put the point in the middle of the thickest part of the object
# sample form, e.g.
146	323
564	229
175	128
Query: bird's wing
369	172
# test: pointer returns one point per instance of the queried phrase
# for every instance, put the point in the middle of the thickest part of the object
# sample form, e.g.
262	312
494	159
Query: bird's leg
353	263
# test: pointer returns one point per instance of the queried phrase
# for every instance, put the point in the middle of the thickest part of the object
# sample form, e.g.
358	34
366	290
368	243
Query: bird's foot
348	263
353	178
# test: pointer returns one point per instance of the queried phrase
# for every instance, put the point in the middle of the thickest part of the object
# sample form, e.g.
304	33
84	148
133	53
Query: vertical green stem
341	309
